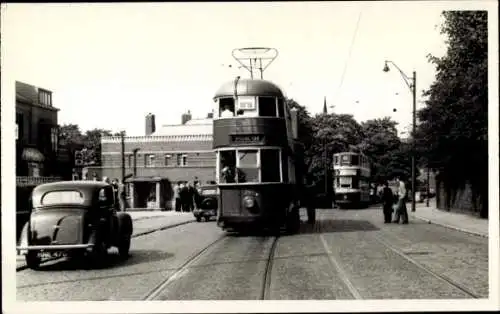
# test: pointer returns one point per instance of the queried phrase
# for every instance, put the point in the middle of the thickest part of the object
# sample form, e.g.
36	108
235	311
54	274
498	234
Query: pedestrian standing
387	202
177	197
190	196
401	211
183	193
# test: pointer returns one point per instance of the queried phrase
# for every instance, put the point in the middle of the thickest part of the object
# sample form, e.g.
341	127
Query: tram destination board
247	139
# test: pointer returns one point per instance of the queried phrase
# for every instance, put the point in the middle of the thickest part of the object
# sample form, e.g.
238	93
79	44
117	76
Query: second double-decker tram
258	169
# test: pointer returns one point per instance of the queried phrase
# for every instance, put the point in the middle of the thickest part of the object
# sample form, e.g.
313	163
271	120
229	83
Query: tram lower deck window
270	163
248	166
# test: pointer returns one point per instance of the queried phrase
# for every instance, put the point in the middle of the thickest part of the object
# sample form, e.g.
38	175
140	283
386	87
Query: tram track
436	275
155	292
266	283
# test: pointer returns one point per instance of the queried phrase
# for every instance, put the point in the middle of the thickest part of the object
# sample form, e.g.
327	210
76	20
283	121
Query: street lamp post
412	84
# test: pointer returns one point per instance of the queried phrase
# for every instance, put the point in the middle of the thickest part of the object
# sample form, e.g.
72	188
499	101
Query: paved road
348	254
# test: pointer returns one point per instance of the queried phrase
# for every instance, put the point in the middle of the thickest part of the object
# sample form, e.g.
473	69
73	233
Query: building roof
28	94
249	87
192	127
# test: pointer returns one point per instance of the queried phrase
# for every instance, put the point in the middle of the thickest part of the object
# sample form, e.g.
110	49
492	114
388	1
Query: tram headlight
249	202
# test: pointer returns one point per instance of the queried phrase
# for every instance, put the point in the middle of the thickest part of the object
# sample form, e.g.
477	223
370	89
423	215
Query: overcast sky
108	65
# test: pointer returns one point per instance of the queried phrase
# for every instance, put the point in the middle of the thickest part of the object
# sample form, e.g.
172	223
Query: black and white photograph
287	156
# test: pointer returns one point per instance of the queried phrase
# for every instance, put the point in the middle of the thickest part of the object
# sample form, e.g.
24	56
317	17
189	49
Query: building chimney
186	117
150	124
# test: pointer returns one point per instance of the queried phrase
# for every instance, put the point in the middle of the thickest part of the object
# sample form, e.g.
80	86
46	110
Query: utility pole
428	185
414	152
135	161
122	137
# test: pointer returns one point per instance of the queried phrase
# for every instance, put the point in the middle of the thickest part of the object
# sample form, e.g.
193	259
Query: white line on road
340	270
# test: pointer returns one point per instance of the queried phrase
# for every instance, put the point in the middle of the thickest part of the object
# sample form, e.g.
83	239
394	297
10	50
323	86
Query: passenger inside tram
226	107
228	166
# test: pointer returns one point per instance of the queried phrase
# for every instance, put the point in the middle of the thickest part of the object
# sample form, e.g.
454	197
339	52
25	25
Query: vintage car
75	219
207	203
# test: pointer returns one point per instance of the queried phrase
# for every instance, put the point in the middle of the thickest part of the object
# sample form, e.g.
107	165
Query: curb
133	236
451	227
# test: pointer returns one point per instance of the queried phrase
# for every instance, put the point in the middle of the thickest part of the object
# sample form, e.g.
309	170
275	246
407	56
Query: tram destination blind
247	139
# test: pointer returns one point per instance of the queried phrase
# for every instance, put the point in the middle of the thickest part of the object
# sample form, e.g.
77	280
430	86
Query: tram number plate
246	138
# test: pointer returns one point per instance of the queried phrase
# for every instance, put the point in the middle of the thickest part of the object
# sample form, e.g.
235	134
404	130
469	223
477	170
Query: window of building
44	97
54	138
226	107
167	160
267	107
20	125
130	160
181	160
149	160
270	163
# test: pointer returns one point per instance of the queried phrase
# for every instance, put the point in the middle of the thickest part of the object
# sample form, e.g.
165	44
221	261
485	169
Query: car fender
23	238
125	223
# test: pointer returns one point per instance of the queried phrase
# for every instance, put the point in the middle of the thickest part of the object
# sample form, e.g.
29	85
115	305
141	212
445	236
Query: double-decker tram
259	163
351	179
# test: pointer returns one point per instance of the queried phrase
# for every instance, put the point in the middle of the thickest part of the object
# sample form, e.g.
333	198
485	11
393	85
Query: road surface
347	254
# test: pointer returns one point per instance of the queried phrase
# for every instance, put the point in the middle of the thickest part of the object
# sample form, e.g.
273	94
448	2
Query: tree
382	146
452	136
331	133
90	142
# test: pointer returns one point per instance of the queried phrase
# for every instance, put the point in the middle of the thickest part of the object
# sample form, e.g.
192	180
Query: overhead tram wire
349	55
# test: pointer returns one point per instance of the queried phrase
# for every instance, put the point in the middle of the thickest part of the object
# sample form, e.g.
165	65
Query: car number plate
51	254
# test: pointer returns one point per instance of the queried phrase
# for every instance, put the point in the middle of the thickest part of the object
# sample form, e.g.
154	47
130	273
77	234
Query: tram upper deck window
336	162
226	107
345	160
355	160
270	164
267	107
246	107
248	166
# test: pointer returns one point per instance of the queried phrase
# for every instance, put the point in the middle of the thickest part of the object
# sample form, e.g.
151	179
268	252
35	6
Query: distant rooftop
191	127
29	94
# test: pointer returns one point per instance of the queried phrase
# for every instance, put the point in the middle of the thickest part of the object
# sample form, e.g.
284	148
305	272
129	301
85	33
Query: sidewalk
145	222
461	222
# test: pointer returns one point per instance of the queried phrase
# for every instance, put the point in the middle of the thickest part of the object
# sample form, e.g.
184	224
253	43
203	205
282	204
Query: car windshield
62	197
209	192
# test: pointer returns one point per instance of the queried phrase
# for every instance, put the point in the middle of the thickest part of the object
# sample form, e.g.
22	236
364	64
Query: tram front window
228	166
248	166
345	160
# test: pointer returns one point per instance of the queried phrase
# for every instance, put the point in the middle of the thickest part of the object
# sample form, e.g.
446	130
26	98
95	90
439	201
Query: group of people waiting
394	202
186	196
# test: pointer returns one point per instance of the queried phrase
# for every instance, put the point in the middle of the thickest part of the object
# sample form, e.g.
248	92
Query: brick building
180	152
